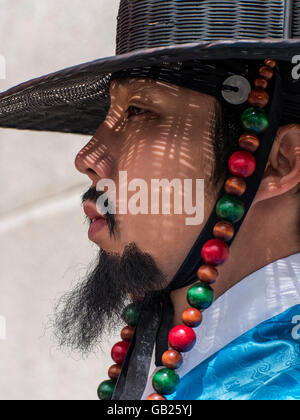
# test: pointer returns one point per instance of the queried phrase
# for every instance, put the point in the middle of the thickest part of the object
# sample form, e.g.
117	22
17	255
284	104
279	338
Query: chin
110	245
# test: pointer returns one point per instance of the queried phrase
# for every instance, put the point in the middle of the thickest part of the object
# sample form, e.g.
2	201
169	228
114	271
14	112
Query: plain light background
43	239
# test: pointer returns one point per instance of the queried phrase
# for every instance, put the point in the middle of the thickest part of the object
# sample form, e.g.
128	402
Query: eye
134	111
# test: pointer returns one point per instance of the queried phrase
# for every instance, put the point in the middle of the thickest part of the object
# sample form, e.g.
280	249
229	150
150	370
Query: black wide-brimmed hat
158	33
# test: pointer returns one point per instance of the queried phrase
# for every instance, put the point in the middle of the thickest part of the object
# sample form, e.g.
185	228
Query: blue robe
263	364
248	345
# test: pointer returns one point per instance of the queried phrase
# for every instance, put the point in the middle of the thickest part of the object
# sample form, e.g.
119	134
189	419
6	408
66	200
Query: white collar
260	296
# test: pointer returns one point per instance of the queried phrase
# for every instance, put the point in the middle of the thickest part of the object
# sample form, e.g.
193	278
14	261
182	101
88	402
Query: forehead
155	88
140	84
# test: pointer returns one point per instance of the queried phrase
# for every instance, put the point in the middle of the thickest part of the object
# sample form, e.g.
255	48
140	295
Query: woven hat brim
76	99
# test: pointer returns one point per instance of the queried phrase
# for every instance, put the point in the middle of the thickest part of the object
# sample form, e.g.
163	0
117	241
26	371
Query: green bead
230	208
106	390
200	296
255	120
165	381
131	314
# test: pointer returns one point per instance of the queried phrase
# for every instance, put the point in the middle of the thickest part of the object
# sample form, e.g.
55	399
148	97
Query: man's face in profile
153	131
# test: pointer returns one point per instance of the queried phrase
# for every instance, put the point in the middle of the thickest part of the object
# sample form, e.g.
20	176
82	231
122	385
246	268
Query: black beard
94	307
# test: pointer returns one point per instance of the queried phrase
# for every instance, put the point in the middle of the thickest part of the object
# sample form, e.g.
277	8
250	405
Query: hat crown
157	23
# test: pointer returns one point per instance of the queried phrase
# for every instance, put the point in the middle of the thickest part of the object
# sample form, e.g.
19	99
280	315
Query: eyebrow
153	88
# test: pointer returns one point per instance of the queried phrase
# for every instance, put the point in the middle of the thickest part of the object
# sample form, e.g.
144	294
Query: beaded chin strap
230	212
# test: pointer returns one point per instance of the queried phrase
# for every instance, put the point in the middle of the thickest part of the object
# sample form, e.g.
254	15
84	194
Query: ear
283	169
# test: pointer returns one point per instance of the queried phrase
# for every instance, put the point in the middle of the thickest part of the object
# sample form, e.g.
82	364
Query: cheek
167	238
163	151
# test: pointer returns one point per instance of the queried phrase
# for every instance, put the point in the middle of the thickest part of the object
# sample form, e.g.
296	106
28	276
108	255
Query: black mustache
92	195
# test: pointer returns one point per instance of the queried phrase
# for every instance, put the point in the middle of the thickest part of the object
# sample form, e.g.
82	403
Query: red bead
242	164
172	359
266	72
156	397
259	98
114	372
261	83
192	317
182	338
119	351
215	252
249	142
127	333
207	274
270	63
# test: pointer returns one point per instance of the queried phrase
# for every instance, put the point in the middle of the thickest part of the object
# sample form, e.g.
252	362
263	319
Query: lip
98	220
96	227
91	211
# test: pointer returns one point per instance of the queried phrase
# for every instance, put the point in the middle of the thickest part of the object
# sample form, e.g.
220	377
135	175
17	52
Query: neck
250	252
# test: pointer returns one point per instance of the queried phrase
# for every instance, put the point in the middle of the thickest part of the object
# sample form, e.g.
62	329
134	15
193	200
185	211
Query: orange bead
266	72
137	299
192	317
261	83
207	274
235	186
224	231
127	333
155	397
114	372
172	359
270	63
249	142
259	98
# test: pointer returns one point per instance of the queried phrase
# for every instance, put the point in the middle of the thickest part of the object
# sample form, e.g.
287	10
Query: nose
95	161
